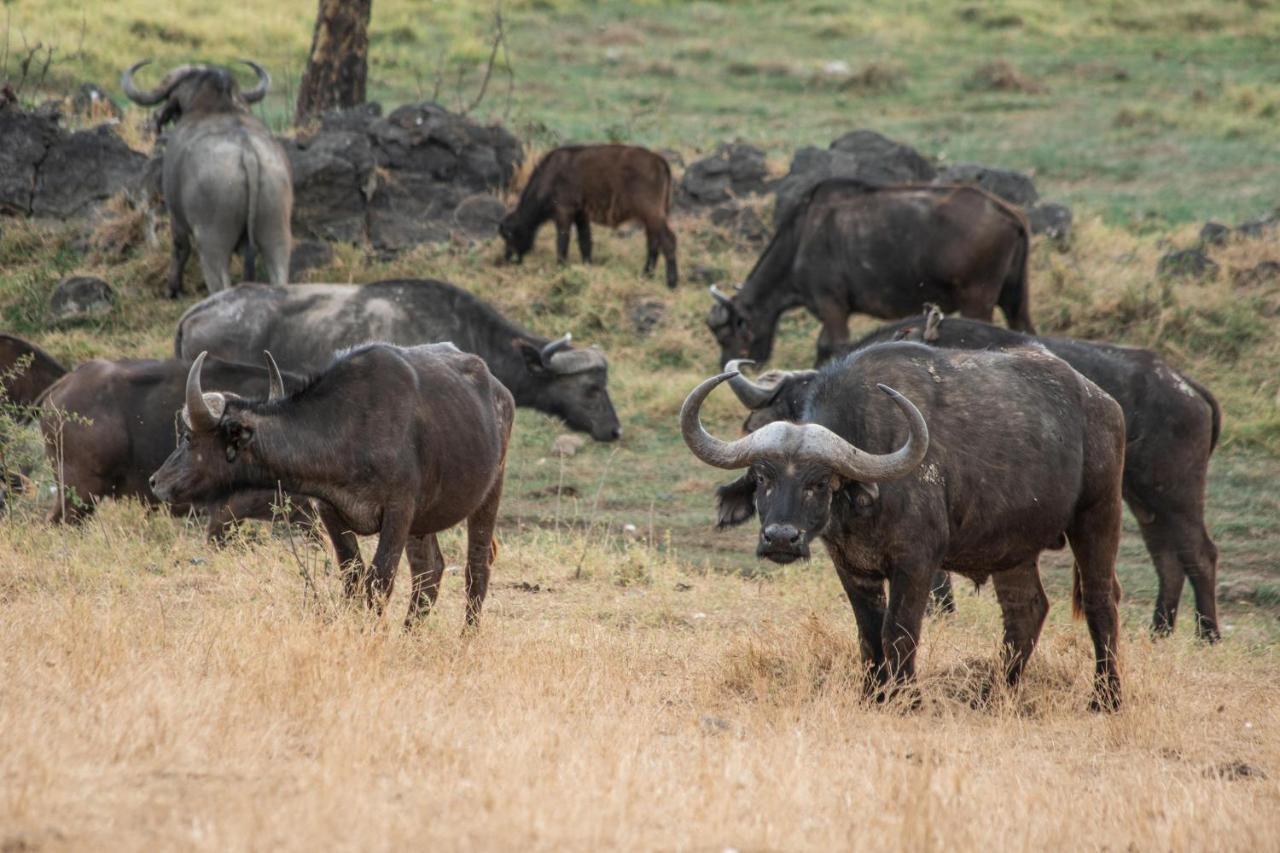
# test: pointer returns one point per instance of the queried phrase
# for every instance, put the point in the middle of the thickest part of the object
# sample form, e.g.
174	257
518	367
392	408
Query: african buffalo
606	184
227	181
25	372
1172	425
849	247
1007	454
306	324
108	424
402	442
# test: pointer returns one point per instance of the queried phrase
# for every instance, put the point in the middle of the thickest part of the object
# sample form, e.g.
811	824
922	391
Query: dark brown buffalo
227	181
108	424
400	441
852	247
606	184
1007	454
1172	425
25	372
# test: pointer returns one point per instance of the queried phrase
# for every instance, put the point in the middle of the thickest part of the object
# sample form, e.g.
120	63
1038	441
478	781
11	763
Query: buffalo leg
583	226
215	258
386	557
1181	548
178	259
1023	607
1094	535
650	253
482	548
346	549
667	245
866	597
908	597
427	565
942	598
563	224
835	330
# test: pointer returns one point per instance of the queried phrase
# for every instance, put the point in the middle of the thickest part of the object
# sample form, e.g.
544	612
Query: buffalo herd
933	445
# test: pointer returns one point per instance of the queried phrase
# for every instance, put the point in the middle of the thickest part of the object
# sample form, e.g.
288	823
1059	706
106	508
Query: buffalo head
194	89
774	396
216	454
572	384
517	237
731	324
795	471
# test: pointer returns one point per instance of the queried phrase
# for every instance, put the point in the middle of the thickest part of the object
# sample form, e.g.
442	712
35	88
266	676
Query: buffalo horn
259	91
555	347
718	296
159	93
276	383
199	415
932	320
808	441
751	394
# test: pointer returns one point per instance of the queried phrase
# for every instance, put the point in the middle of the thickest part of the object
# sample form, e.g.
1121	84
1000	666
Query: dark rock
673	157
1214	234
80	298
1052	220
90	101
646	315
308	255
703	274
333	179
1187	263
1013	187
743	223
1256	228
733	171
1234	770
1265	273
82	169
862	154
24	140
355	119
478	215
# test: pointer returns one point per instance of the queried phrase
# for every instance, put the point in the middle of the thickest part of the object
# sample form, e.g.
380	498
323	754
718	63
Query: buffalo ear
736	501
532	355
239	435
864	497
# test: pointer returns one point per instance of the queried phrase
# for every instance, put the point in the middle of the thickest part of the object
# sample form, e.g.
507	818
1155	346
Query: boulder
742	223
80	298
733	171
1052	220
1014	187
308	255
1262	227
1214	234
1263	274
24	139
477	216
1187	263
646	315
862	154
333	179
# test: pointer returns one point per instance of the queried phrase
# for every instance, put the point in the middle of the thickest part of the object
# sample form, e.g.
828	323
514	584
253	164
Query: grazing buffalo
108	424
1007	453
226	179
606	184
402	442
25	372
306	324
881	250
1172	425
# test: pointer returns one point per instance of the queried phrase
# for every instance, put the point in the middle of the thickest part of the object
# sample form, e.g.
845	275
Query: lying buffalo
852	247
304	325
1172	424
576	185
1007	454
402	442
226	179
108	424
25	372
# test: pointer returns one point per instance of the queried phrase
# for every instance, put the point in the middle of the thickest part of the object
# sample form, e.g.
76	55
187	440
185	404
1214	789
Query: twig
499	41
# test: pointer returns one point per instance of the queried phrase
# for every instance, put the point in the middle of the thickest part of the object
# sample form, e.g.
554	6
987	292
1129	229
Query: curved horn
854	464
719	296
200	415
751	394
274	380
711	450
259	91
148	98
554	347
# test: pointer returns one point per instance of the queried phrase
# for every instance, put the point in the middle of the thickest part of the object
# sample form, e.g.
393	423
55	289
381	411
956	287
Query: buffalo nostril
616	434
776	534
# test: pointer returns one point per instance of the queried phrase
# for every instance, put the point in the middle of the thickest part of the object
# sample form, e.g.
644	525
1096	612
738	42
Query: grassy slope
680	76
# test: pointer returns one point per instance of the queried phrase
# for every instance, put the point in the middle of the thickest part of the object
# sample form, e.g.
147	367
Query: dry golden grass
153	694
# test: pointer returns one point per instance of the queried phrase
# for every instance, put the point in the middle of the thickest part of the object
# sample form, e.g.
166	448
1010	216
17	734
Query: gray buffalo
304	325
227	181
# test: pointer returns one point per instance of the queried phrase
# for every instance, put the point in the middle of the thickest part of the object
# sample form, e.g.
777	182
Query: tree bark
338	67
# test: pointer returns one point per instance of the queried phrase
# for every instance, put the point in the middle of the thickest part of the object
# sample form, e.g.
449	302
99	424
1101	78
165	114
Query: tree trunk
339	64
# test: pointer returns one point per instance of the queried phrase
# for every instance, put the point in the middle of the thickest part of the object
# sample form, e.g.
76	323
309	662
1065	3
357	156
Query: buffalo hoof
1106	700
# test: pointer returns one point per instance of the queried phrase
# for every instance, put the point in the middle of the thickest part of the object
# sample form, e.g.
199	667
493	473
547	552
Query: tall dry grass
153	694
